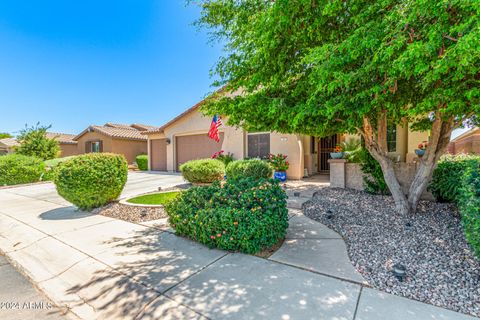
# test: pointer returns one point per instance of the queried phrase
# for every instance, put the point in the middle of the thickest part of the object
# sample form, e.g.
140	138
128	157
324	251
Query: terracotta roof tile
64	138
9	142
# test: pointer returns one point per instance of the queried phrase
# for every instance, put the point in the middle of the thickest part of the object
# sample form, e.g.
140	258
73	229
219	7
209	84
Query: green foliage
352	148
457	179
50	166
254	168
203	170
225	158
142	162
469	204
34	142
321	67
91	180
18	169
446	183
4	135
155	198
278	162
373	179
245	215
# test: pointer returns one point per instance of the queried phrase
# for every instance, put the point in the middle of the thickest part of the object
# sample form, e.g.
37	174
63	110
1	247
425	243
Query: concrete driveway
103	268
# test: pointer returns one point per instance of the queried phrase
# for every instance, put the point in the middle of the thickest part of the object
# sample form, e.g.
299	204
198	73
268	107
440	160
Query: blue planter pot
280	176
336	155
419	152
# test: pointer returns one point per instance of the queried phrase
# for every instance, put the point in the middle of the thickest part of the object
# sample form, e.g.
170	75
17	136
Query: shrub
445	184
34	142
91	180
142	162
203	170
245	215
469	204
254	168
225	158
18	169
373	180
50	166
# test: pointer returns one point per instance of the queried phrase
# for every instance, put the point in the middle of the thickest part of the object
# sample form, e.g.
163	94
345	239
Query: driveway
103	268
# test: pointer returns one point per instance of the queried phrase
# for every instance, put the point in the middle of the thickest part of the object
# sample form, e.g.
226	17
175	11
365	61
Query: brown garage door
197	146
158	150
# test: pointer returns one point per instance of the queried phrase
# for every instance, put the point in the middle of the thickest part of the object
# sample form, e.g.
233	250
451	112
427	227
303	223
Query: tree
34	142
4	135
322	67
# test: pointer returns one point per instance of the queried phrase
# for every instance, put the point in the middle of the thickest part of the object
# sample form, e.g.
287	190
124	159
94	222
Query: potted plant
337	152
280	166
421	148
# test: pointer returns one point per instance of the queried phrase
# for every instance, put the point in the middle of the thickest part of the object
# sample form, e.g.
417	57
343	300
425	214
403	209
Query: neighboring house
68	147
7	145
116	138
185	138
468	142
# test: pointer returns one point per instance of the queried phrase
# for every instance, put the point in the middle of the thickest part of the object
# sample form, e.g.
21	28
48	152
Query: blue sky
75	63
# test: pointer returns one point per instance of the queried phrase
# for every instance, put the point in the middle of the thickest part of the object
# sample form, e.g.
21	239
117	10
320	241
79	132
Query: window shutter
258	145
88	147
100	146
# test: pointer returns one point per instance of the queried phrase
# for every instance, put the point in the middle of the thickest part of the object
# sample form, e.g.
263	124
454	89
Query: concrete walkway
102	268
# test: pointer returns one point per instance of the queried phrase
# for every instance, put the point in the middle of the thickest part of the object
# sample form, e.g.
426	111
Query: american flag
213	132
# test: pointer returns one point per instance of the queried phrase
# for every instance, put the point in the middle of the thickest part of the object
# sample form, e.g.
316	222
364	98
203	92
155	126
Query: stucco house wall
68	150
235	141
129	148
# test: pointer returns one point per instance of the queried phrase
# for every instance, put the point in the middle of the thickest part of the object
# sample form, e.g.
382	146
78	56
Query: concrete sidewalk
102	268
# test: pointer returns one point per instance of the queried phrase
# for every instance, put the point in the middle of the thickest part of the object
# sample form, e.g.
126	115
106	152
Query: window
258	145
94	146
392	137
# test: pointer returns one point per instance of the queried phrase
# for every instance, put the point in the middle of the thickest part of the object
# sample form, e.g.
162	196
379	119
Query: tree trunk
439	140
376	144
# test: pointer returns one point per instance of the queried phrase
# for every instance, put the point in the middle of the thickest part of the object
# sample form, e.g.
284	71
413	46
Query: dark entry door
326	145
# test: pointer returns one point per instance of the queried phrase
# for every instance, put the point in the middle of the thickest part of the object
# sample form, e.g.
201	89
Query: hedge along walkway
102	268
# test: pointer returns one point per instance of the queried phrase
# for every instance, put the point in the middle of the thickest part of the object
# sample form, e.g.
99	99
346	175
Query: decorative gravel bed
441	269
131	213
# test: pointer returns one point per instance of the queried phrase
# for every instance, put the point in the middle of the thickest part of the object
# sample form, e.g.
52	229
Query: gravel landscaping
441	269
131	213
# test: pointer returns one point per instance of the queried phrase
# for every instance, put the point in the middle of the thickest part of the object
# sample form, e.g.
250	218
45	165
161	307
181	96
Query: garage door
158	151
197	146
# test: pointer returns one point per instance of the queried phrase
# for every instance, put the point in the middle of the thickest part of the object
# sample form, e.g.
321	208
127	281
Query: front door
325	146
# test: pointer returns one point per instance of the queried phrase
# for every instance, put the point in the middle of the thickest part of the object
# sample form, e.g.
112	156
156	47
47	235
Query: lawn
155	198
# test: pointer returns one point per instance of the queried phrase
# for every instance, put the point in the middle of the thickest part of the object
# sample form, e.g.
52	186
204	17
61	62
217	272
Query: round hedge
254	168
246	215
18	169
142	162
91	180
203	170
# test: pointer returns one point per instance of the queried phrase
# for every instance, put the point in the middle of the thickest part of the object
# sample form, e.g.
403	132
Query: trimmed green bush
245	215
203	170
142	162
457	179
254	168
91	180
445	185
469	204
18	169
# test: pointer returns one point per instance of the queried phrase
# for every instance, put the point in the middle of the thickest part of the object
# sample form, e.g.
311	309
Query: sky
70	64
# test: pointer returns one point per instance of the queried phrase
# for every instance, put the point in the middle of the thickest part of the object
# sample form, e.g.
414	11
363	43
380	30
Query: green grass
54	162
155	198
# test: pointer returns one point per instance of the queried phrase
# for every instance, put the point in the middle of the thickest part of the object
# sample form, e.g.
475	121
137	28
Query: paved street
103	268
20	300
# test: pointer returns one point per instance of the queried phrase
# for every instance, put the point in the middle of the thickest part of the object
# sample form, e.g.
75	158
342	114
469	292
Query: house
116	138
468	142
185	138
68	147
7	145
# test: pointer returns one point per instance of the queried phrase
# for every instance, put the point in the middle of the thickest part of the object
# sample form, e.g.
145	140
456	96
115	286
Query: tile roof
119	131
9	142
64	138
